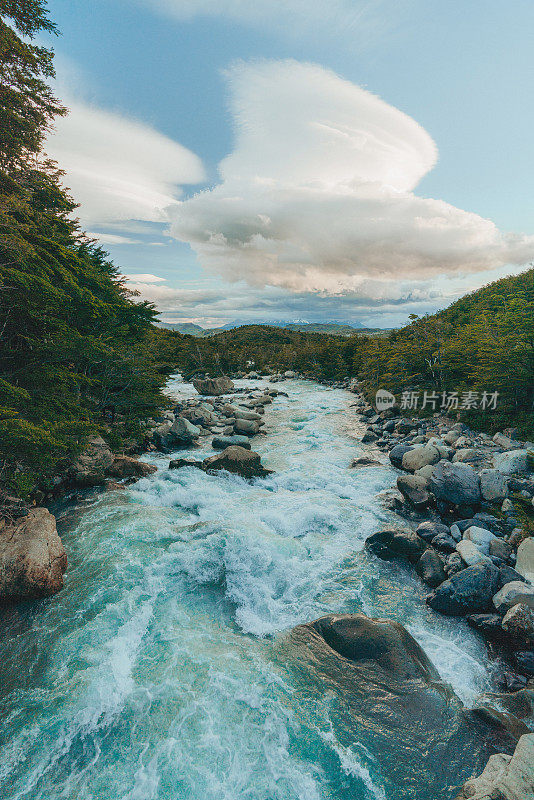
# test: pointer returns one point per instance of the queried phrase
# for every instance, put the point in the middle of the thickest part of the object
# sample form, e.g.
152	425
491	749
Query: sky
327	160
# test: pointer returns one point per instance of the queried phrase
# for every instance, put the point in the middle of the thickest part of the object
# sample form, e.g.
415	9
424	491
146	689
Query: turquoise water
153	675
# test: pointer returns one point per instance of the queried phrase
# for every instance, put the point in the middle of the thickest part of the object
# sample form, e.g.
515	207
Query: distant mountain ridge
332	328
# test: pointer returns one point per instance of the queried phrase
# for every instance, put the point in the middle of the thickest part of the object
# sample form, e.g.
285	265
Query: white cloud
144	278
361	20
118	168
317	195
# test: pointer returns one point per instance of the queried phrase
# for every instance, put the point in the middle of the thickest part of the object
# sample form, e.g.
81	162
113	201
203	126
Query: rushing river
152	674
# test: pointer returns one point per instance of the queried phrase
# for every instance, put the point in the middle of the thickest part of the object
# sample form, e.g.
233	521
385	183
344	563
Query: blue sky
463	72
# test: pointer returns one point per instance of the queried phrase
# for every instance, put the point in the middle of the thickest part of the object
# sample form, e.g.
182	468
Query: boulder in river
222	442
32	557
128	467
392	543
178	463
247	426
214	386
384	685
468	591
236	459
184	431
364	461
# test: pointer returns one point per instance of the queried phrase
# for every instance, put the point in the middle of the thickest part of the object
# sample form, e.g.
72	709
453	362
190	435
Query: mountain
188	328
331	328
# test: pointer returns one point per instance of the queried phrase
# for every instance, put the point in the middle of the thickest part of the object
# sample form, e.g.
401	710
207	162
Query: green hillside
483	342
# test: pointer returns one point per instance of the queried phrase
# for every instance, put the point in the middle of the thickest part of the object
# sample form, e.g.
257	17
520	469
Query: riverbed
154	674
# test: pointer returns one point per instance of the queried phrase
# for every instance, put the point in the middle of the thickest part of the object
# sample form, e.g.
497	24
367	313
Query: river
152	675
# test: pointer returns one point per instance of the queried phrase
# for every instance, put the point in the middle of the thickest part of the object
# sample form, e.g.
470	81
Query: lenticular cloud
318	193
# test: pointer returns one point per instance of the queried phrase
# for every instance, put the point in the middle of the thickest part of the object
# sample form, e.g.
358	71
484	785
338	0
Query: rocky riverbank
468	500
32	558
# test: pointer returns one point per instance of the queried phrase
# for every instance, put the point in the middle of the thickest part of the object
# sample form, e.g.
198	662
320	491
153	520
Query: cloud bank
318	194
119	169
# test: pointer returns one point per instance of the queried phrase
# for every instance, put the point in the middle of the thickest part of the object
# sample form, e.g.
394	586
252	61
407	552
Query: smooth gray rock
413	488
247	426
184	431
513	462
513	593
493	485
479	536
471	554
420	457
525	559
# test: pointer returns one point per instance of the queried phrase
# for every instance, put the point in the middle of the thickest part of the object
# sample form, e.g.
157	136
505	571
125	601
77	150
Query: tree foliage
76	349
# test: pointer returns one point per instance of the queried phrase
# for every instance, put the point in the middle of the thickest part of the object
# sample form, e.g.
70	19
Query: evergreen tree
75	346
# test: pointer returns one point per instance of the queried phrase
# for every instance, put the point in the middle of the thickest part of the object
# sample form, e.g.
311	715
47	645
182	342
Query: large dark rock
213	386
428	529
431	568
382	687
396	453
392	543
222	442
178	463
455	484
32	557
236	459
513	712
524	662
467	592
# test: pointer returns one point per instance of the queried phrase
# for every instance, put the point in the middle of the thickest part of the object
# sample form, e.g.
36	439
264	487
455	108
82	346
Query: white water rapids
151	676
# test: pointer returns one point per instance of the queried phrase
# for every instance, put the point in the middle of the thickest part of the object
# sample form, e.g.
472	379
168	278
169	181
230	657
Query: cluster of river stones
469	547
463	537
